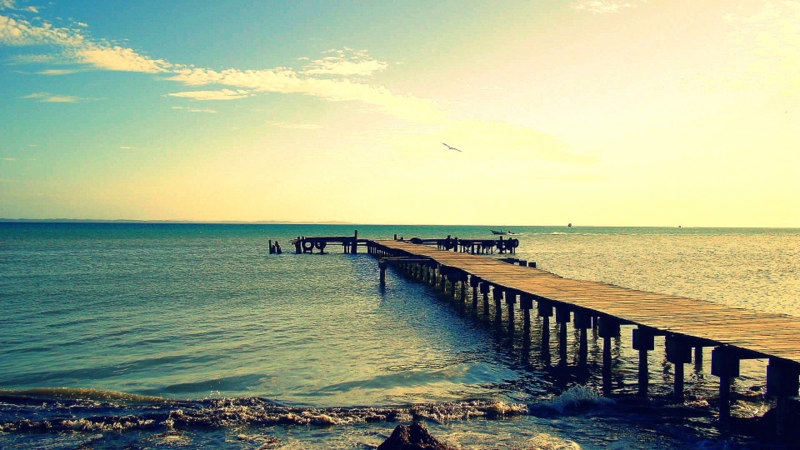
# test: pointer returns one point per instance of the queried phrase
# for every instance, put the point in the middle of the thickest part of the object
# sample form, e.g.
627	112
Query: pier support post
607	329
453	279
643	340
354	249
511	300
679	352
474	282
698	358
443	279
545	311
526	304
497	293
484	288
583	321
382	267
562	319
782	383
725	365
463	278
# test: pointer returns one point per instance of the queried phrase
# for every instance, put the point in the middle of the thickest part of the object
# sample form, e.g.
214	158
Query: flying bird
451	147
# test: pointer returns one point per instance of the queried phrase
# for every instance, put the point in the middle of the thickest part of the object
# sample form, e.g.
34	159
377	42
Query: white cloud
120	59
19	32
296	126
45	97
327	78
57	72
195	110
223	94
605	6
286	81
347	62
75	47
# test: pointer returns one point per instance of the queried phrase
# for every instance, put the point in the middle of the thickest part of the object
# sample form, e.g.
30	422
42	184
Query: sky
590	112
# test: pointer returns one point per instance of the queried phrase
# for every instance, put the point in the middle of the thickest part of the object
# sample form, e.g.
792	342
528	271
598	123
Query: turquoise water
104	322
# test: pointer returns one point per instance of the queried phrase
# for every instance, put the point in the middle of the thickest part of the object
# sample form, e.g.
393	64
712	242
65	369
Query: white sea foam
577	397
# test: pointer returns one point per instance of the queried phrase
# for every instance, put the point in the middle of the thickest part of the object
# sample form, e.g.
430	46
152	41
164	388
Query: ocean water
192	335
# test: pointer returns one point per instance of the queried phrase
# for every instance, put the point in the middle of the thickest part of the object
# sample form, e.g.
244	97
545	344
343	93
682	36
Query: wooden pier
350	244
687	325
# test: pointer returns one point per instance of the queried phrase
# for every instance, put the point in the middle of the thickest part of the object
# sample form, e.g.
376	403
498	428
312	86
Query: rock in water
412	437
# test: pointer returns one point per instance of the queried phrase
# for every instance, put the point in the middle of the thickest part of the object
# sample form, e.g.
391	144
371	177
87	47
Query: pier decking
686	324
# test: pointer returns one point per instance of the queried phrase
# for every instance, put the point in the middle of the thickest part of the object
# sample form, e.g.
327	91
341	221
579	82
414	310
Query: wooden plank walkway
751	333
734	333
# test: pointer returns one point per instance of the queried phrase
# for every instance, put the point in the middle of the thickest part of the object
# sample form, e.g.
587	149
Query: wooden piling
582	322
725	365
643	341
497	293
679	352
608	329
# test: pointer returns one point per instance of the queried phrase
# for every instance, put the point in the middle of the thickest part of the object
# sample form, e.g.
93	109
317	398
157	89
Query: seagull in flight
452	148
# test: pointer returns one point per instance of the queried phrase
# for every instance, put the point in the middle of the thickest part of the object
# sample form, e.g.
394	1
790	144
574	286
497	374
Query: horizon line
339	222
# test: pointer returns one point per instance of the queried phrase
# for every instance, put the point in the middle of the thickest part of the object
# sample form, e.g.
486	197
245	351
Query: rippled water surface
103	321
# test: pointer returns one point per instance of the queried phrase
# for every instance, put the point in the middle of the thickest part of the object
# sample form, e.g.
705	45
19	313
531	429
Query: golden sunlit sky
603	112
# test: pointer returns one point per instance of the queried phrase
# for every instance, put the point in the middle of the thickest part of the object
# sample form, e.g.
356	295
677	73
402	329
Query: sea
172	335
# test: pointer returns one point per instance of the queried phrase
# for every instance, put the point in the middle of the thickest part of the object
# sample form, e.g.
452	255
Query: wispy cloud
45	97
296	126
346	62
222	94
195	110
56	72
75	47
11	4
605	6
287	81
120	59
329	78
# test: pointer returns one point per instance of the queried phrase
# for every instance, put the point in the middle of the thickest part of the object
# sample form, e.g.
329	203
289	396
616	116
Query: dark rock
412	437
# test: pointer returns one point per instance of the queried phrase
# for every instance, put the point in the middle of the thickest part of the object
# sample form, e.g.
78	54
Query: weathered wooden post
583	321
474	282
608	328
679	352
463	279
562	318
382	267
545	311
698	358
511	300
643	340
525	304
725	365
782	383
484	288
452	277
497	292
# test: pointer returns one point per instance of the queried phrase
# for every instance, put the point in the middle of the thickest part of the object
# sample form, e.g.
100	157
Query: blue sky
595	112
